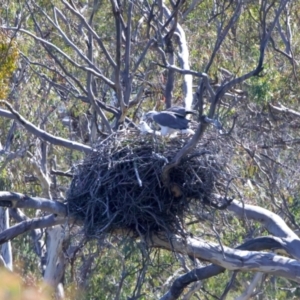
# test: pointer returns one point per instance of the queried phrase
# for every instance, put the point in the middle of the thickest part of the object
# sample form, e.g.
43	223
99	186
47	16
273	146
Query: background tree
76	73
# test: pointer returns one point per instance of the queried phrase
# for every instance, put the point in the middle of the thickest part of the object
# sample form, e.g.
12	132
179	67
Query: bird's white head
149	115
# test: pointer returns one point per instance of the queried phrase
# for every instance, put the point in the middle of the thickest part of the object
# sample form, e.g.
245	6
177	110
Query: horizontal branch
285	109
286	239
31	224
257	244
61	173
231	259
13	114
17	200
182	71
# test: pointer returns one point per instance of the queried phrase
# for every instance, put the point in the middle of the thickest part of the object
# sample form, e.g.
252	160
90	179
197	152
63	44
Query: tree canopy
96	208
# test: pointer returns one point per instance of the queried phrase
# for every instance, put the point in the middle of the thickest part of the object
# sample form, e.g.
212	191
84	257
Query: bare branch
90	29
183	56
231	259
91	67
31	224
42	177
202	75
191	8
273	223
285	109
197	274
61	173
13	114
266	37
89	84
118	86
55	258
17	200
127	77
222	34
6	249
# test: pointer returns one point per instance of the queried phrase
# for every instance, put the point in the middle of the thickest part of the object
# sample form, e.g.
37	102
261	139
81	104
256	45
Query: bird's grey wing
178	110
191	112
171	120
181	111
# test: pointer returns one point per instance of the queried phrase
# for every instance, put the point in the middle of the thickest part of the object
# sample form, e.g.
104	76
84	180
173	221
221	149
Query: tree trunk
6	252
55	260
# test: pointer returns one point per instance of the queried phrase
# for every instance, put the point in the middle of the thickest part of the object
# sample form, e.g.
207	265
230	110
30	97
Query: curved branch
195	275
13	114
273	223
231	259
257	244
263	45
17	200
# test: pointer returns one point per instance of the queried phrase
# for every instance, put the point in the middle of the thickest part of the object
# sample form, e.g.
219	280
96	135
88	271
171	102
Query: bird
145	128
181	111
169	122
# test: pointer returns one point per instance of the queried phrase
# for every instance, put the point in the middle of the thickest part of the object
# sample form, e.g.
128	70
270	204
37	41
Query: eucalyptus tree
88	70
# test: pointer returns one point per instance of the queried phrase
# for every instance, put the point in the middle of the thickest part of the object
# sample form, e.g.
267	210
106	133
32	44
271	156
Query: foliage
14	287
8	62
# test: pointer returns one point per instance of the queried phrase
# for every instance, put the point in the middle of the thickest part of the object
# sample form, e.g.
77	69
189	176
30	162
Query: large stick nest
119	186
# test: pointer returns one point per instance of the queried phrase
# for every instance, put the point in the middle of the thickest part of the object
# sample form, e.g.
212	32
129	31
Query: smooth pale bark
231	259
31	224
285	241
55	260
273	223
42	177
6	251
184	62
18	200
36	235
282	108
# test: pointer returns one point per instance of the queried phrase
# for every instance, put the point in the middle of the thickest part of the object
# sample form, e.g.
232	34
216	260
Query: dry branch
231	259
206	272
273	223
13	114
17	200
31	224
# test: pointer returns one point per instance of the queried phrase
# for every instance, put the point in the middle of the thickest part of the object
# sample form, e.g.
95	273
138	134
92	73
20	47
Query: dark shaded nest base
119	186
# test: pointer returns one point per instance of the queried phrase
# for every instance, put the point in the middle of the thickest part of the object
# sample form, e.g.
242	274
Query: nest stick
137	174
